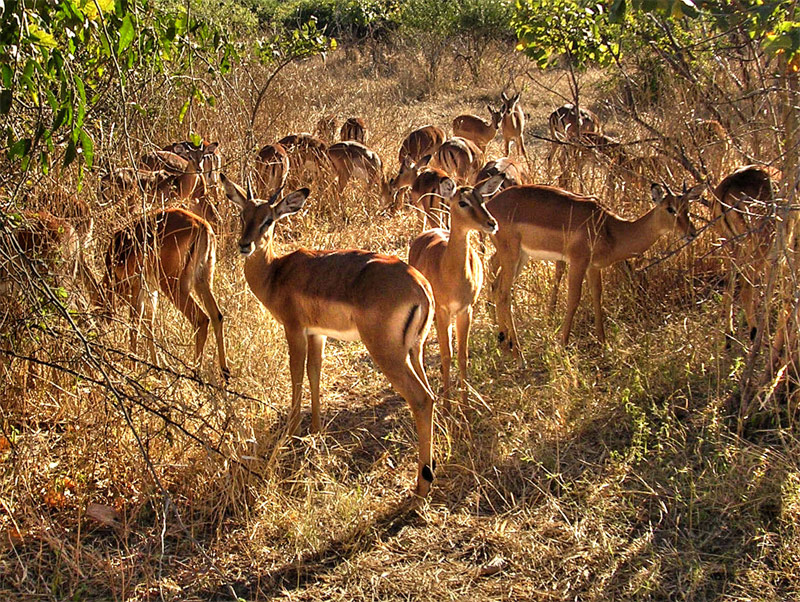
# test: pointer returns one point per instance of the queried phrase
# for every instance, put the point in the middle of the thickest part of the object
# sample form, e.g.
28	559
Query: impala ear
695	192
291	203
658	192
490	186
424	161
235	194
503	96
447	188
210	149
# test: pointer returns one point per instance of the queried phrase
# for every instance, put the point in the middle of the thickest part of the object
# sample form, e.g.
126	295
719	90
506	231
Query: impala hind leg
596	285
143	311
203	288
182	298
395	362
561	268
316	350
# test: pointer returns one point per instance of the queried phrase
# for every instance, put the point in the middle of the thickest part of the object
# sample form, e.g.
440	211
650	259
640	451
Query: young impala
345	294
461	158
740	204
272	168
513	124
355	129
543	222
474	128
308	157
353	159
511	172
455	271
421	142
172	251
206	154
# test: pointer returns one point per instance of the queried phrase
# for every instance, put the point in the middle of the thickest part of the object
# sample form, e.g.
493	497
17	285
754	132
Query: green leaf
19	149
71	153
126	33
88	148
184	109
6	98
7	75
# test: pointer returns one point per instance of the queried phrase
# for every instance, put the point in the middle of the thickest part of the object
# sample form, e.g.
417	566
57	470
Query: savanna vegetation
659	464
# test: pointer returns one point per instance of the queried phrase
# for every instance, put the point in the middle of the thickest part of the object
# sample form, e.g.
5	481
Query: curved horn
249	188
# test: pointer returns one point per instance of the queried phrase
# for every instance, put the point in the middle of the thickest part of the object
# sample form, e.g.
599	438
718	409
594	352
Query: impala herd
359	295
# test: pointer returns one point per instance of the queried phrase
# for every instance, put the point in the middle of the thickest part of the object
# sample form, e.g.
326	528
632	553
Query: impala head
509	102
674	209
259	216
409	170
203	158
467	205
497	116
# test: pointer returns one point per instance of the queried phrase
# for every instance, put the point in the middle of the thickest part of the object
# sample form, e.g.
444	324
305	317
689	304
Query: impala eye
671	210
463	204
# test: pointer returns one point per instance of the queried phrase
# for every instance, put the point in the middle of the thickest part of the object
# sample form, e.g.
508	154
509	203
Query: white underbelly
540	255
341	335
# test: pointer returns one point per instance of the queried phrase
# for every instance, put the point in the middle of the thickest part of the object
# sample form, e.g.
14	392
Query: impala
740	205
455	271
353	159
513	124
421	142
512	174
428	188
353	128
307	155
543	222
206	155
346	294
461	158
272	168
54	247
569	123
172	251
326	128
181	179
474	128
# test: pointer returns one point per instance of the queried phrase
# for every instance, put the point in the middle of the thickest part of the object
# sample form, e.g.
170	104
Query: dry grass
593	474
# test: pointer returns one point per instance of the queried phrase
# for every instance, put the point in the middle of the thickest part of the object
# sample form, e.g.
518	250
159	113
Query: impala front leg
463	324
577	271
298	347
444	334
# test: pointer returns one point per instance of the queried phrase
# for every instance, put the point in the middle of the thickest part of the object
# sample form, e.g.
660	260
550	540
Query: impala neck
263	255
634	237
454	259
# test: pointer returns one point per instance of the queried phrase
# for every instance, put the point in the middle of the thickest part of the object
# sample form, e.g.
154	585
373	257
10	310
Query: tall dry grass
594	473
